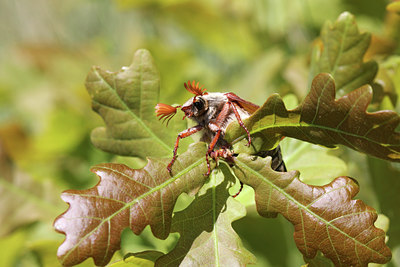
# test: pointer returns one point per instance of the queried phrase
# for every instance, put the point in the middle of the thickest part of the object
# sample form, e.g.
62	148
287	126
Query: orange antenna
195	89
165	112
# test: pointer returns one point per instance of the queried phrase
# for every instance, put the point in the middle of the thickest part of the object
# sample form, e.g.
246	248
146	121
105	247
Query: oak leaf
123	198
325	218
341	55
323	120
206	234
125	100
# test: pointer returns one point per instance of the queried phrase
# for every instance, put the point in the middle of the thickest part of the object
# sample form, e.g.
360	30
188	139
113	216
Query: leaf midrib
340	52
129	204
132	114
215	230
292	199
308	125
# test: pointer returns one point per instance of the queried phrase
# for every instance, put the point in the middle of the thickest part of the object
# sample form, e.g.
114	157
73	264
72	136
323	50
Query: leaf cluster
325	218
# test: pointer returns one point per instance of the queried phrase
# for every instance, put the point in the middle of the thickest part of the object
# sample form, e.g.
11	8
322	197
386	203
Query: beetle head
195	106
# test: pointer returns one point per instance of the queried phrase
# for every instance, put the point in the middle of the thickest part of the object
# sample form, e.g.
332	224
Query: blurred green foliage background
253	48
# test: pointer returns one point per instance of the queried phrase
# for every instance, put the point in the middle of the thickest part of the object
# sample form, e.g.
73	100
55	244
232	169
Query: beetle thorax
207	113
213	104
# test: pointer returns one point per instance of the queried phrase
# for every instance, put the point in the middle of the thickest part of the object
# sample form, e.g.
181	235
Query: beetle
212	113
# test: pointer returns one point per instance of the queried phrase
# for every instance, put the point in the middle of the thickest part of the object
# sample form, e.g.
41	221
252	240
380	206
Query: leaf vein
296	202
133	115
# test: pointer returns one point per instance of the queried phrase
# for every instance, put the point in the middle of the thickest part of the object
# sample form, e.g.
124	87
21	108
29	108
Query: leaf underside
126	100
123	198
206	234
325	218
321	119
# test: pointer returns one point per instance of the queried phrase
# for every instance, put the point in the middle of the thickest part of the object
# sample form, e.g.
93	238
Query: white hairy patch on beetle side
216	102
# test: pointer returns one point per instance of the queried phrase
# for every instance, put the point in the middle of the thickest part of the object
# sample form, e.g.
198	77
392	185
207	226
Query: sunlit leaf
206	234
320	119
123	198
142	259
342	55
316	165
126	100
325	218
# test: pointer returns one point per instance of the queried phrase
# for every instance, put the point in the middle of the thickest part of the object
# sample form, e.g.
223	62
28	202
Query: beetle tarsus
169	167
240	190
208	166
249	141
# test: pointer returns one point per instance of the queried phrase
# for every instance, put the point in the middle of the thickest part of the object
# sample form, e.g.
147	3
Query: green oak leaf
126	100
142	259
206	234
316	165
341	55
325	218
123	198
323	120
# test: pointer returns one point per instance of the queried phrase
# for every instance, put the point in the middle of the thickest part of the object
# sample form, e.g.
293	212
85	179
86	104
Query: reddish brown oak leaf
123	198
325	218
321	119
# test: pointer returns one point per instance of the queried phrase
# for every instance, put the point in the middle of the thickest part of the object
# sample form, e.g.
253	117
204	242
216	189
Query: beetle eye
199	105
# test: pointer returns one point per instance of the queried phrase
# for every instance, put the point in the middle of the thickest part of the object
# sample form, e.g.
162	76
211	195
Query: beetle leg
183	134
210	149
215	127
240	190
239	119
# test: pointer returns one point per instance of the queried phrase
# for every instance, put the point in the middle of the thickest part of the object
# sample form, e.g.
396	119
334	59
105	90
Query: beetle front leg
183	134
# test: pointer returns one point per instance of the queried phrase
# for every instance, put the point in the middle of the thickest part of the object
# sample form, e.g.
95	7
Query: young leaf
206	234
325	218
123	198
342	55
321	119
126	100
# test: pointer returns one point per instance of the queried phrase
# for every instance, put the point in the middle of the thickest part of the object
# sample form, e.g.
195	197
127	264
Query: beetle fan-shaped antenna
195	89
165	112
